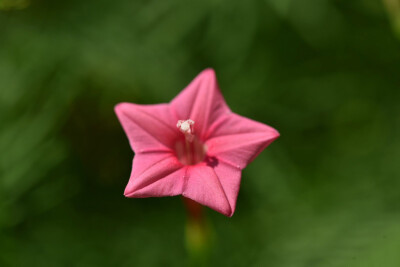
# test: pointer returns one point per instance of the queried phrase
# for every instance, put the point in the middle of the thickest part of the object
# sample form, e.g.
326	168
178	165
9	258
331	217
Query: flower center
189	149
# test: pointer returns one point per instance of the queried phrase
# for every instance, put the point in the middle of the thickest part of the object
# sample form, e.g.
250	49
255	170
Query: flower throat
189	150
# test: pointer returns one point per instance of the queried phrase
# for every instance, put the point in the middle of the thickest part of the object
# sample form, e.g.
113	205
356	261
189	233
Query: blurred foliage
393	9
13	4
324	73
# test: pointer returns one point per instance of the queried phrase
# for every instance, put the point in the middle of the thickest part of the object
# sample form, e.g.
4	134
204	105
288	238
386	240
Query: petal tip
276	134
208	73
209	70
120	107
273	133
227	212
127	195
128	192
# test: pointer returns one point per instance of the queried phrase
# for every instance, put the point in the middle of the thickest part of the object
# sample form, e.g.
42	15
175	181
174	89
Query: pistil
191	151
186	127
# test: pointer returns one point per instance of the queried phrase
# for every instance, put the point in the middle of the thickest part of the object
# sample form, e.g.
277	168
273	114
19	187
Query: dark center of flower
189	149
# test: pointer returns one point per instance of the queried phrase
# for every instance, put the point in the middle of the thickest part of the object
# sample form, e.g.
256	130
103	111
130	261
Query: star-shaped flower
194	146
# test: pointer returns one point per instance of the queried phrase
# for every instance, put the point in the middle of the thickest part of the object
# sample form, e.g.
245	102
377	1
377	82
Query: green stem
197	233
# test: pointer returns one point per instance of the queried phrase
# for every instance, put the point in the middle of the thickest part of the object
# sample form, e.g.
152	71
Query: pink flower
194	146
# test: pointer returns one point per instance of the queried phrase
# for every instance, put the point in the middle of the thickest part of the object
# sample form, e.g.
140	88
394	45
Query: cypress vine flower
194	146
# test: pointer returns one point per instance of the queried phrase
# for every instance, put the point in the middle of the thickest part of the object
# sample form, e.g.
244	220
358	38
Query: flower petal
201	101
204	187
148	127
237	140
229	178
155	174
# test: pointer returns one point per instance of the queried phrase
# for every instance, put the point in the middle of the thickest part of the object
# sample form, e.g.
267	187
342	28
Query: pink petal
155	174
204	187
237	140
201	101
148	127
229	177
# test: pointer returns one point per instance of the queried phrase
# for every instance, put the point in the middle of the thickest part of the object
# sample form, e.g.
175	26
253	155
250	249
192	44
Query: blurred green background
324	73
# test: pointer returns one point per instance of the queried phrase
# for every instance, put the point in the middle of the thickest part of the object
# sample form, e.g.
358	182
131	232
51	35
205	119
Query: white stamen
186	127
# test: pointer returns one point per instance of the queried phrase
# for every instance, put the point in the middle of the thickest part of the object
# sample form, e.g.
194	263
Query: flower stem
197	233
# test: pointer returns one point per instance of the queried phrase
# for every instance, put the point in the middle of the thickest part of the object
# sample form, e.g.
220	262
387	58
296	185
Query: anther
186	127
